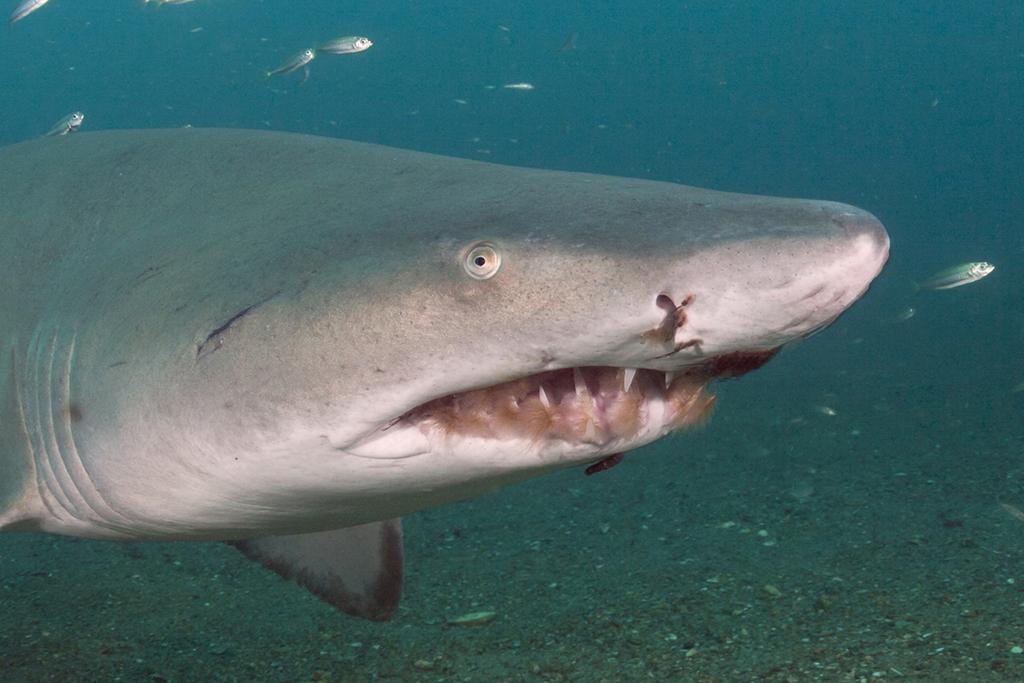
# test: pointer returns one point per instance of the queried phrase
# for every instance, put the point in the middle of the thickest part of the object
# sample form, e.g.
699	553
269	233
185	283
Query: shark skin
288	342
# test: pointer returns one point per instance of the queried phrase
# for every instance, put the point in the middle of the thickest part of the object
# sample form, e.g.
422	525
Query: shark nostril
665	303
675	318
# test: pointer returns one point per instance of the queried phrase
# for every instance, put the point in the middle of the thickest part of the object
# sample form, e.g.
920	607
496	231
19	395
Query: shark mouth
601	407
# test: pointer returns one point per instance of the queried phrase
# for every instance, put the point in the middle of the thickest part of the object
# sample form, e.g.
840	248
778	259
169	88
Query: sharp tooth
669	376
585	404
543	397
581	386
627	379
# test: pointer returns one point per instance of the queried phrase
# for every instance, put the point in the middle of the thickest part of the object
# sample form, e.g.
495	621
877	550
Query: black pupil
480	261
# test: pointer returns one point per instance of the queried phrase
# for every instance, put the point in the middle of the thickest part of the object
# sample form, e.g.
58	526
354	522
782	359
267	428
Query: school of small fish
300	61
345	45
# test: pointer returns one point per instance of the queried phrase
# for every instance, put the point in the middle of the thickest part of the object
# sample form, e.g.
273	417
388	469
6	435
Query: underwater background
847	515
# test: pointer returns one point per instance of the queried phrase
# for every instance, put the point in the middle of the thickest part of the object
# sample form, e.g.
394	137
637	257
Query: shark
288	342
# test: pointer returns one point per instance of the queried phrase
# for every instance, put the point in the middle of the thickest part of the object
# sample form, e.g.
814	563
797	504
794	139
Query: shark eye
482	261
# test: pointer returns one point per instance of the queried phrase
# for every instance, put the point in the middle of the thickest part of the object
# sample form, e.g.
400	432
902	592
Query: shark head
312	334
589	319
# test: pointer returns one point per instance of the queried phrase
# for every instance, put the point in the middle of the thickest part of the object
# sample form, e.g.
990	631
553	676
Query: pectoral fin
358	569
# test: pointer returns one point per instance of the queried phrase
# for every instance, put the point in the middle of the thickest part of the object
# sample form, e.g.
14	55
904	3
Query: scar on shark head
216	339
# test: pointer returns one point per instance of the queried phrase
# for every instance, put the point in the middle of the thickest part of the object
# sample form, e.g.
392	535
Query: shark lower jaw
588	409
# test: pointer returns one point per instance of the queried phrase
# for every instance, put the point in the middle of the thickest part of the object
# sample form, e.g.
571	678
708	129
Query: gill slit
60	471
68	449
26	432
50	484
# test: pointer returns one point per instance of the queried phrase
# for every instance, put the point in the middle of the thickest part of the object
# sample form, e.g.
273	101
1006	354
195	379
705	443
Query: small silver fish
294	64
346	45
68	124
518	86
160	3
963	274
1013	511
905	315
24	9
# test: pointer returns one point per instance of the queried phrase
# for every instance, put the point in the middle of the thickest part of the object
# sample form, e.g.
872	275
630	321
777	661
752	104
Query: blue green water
913	110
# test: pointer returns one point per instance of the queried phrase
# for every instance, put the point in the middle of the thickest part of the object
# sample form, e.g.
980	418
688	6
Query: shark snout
840	265
865	232
863	250
785	283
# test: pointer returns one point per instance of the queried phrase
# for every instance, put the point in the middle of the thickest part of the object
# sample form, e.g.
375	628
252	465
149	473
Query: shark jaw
566	416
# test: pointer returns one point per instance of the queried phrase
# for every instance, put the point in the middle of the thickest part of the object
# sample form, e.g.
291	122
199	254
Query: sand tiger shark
288	342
